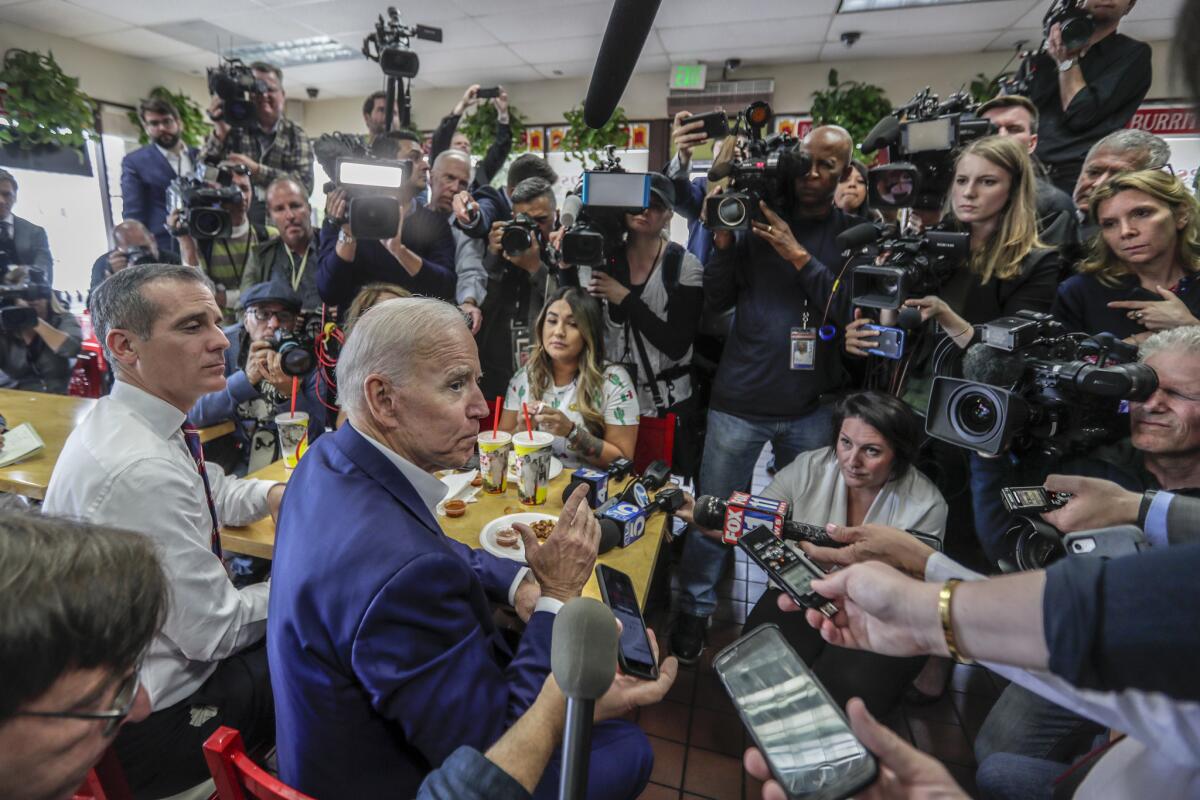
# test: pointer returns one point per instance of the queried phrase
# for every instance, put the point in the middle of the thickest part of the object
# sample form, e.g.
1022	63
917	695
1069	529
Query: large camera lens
732	212
515	240
238	112
976	414
1077	30
207	223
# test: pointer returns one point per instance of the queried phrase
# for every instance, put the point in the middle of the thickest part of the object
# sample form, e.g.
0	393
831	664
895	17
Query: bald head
451	174
132	233
834	138
1126	150
830	147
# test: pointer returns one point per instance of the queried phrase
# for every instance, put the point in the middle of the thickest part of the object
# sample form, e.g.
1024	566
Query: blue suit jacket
145	176
384	658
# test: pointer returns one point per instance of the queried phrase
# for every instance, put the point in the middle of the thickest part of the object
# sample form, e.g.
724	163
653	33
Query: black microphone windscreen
884	133
610	534
983	364
583	649
909	318
720	171
628	26
860	235
709	512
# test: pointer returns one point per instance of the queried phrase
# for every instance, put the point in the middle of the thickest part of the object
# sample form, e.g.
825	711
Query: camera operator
272	148
774	370
420	257
1141	276
148	171
38	359
290	257
450	175
518	286
225	259
655	300
448	137
21	242
1086	93
477	212
133	244
375	117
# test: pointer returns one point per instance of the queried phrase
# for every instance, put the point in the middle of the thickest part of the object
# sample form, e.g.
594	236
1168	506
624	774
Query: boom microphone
983	364
628	26
720	171
884	133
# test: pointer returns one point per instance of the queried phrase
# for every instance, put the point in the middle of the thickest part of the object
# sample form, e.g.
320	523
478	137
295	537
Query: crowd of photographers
978	356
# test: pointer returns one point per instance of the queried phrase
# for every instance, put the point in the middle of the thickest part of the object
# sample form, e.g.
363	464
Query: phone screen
803	735
616	189
620	596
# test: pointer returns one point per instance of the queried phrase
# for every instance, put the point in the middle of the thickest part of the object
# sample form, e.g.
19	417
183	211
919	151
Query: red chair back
655	441
236	776
105	781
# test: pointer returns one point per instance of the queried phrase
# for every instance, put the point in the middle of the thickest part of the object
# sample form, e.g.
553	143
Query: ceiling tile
550	23
1155	9
458	79
921	24
750	35
459	33
907	46
686	13
191	63
566	69
1008	40
264	25
60	17
480	59
1150	30
359	69
140	42
335	16
715	56
479	8
153	12
570	49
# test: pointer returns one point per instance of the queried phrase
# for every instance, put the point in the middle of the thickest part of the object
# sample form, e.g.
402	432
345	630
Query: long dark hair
589	318
895	421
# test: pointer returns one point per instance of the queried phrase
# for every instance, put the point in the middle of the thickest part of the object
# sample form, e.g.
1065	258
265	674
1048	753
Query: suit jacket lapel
374	463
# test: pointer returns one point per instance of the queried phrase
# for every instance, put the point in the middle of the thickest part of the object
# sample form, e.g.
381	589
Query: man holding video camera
1085	86
38	337
775	368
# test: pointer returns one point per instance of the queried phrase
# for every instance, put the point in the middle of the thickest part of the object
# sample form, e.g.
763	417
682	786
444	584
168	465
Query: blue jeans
1026	724
1004	776
730	452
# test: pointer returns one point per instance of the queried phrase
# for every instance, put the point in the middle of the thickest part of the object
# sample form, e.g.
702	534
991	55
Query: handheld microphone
739	514
714	513
628	26
984	364
884	133
583	660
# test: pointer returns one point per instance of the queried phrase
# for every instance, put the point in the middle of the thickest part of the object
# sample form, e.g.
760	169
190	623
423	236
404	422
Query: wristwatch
1066	64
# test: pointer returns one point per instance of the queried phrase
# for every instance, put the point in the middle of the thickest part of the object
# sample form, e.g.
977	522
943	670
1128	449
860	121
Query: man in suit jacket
148	171
21	242
384	657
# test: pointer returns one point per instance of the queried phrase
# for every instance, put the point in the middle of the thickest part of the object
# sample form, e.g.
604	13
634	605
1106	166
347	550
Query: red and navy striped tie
192	437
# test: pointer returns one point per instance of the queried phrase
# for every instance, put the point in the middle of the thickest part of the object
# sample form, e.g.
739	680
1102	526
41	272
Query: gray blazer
33	248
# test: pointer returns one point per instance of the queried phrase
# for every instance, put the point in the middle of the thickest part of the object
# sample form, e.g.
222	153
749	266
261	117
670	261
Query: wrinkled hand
473	314
778	234
216	113
552	420
246	161
395	245
501	104
494	238
526	598
257	367
628	692
686	136
1096	504
858	338
337	206
276	376
892	546
564	563
607	287
464	206
1158	315
1055	47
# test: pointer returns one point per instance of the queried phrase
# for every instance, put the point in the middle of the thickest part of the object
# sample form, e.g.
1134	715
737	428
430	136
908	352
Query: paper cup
292	429
533	466
493	460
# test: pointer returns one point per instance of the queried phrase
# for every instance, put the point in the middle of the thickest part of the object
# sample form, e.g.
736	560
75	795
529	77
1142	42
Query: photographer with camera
269	146
148	171
1087	82
447	136
290	257
36	350
134	245
477	212
1141	276
22	243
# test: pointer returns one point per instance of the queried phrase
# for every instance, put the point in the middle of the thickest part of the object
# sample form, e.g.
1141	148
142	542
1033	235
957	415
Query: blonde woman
369	296
1141	276
591	408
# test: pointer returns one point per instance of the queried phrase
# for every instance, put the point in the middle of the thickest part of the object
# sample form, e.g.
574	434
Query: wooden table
637	560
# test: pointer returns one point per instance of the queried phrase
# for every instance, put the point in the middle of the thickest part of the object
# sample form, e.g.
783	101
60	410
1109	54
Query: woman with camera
851	194
38	357
589	406
1141	276
655	300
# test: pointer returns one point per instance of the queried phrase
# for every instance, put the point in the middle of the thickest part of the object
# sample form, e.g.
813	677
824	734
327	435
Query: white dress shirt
181	162
127	466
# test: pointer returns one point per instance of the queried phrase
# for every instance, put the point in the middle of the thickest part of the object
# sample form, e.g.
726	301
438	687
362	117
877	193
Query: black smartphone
889	342
1032	499
803	735
716	123
635	655
788	566
485	94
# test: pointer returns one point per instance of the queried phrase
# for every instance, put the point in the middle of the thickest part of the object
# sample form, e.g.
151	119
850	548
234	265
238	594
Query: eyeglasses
123	702
262	315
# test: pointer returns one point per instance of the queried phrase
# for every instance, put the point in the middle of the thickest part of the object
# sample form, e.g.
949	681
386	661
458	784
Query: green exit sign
688	76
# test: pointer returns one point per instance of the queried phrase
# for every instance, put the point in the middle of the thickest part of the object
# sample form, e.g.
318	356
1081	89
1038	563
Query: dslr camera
234	82
922	139
914	265
203	205
16	318
372	184
521	234
139	255
1077	25
606	194
297	350
767	172
1030	386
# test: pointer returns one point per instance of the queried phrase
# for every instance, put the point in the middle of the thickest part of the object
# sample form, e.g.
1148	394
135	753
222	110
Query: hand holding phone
488	93
635	654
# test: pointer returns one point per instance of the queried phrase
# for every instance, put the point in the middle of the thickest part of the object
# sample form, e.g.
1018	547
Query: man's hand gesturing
563	564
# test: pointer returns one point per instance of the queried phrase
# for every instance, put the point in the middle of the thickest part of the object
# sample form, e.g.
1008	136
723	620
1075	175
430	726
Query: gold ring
770	229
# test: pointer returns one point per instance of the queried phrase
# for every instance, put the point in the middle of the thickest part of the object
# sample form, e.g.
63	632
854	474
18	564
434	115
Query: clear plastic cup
533	466
493	460
292	428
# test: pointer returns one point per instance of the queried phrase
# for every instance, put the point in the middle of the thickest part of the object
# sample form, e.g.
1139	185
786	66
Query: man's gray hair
1185	339
1154	152
531	189
451	155
119	302
391	339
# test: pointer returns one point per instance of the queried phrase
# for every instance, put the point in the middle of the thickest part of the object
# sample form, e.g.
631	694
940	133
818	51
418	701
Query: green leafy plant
584	143
44	105
480	127
191	117
854	105
984	88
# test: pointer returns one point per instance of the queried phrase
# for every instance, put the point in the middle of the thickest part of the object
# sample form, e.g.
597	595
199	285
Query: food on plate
543	528
509	538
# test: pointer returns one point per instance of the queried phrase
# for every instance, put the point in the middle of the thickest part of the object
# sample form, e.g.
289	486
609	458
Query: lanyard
296	276
237	271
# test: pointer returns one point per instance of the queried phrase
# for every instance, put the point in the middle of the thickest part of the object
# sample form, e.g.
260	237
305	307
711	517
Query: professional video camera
203	208
1030	385
596	212
922	138
1077	27
234	82
390	46
915	264
15	318
372	184
767	172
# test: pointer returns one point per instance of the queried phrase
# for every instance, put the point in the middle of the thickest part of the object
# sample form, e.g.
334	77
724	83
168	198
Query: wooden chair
236	776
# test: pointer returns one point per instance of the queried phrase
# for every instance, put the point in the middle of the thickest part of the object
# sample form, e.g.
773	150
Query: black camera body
1030	386
203	208
520	234
372	184
297	351
389	45
234	82
915	265
1077	25
139	255
606	194
15	318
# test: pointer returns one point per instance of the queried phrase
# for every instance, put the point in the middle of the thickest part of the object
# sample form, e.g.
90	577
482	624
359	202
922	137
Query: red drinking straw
528	424
496	419
295	389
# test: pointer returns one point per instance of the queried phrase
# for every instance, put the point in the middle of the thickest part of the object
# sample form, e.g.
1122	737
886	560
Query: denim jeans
1004	776
730	453
1026	724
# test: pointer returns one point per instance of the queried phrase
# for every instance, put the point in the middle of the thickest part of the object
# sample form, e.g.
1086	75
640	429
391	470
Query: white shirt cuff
941	567
548	604
512	587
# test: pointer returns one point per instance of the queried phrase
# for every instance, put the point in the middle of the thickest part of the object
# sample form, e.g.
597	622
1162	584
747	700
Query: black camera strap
671	264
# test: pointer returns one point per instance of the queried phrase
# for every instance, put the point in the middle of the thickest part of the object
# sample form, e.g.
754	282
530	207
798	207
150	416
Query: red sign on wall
1165	120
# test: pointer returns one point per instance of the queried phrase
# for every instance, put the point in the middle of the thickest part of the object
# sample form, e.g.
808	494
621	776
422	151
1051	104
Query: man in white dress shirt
129	465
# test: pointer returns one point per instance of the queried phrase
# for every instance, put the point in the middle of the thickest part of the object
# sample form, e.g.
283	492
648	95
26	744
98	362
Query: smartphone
716	123
1123	540
804	736
1032	499
787	565
634	654
889	342
485	94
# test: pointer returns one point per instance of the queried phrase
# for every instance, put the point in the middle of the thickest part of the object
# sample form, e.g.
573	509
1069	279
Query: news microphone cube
631	519
746	511
595	480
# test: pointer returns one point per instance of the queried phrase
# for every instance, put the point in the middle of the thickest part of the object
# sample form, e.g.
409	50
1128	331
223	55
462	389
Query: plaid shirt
290	153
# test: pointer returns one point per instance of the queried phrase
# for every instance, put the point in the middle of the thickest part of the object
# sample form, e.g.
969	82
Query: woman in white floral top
591	409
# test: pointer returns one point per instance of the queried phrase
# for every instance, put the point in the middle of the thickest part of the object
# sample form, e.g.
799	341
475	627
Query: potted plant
480	127
585	143
192	120
45	111
854	105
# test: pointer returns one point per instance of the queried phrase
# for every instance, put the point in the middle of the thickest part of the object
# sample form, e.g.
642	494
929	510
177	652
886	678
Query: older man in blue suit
148	171
384	657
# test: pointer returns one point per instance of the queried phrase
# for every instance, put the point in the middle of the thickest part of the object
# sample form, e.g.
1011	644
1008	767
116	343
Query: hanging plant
854	105
192	119
43	105
481	128
984	88
583	142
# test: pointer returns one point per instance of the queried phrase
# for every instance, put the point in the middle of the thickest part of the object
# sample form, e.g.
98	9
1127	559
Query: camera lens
515	240
731	212
207	223
237	112
976	414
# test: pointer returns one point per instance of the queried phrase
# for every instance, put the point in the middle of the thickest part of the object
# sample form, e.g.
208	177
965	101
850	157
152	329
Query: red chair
655	441
105	781
236	776
485	424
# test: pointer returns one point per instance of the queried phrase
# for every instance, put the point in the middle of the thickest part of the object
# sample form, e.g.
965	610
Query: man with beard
148	171
290	257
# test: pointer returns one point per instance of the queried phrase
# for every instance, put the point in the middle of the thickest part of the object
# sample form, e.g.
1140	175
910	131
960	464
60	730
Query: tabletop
637	560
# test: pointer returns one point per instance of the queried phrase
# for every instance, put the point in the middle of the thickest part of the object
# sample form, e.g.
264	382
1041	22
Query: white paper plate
556	466
487	537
